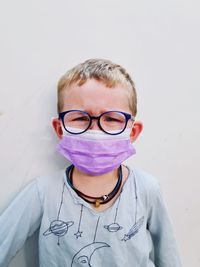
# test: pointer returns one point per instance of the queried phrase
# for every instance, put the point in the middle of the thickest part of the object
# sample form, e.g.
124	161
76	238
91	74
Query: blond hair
102	70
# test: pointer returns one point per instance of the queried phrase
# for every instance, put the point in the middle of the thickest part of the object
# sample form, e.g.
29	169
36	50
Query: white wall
157	41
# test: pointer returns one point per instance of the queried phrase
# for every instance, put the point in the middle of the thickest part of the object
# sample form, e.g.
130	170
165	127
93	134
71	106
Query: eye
108	118
82	118
83	259
113	119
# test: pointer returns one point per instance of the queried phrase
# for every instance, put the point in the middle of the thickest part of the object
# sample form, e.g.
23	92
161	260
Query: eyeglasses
110	122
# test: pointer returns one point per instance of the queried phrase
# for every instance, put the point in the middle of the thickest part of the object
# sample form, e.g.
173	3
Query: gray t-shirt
134	231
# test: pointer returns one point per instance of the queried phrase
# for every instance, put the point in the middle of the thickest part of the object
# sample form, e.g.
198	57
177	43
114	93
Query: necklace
97	201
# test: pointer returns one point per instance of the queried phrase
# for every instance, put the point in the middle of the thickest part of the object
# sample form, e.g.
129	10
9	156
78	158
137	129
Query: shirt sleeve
160	227
19	221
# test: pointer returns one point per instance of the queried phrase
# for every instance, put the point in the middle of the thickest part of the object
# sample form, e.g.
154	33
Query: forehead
95	96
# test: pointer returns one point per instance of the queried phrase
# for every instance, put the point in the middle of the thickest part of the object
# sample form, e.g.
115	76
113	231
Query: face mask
95	152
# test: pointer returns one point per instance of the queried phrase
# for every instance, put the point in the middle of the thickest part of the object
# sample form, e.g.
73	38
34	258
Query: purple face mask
95	152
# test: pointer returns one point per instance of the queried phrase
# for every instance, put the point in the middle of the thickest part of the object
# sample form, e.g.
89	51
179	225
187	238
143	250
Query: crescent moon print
83	256
134	229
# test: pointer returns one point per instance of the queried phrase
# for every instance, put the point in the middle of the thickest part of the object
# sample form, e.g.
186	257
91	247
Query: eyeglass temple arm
132	118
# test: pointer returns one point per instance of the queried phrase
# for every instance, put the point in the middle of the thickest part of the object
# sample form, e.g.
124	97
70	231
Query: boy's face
95	98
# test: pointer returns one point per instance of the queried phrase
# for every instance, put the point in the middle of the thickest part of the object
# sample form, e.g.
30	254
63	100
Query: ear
136	130
56	123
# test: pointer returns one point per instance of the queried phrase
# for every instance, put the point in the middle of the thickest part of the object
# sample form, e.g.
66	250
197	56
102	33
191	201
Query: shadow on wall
28	255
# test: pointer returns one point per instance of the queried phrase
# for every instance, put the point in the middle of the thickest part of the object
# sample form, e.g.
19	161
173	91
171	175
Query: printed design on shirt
58	227
84	256
79	233
134	229
138	223
114	227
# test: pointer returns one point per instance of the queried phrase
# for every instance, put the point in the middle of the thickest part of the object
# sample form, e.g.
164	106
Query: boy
97	212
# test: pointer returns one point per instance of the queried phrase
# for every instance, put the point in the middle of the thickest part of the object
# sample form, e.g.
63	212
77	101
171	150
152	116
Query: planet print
113	227
58	228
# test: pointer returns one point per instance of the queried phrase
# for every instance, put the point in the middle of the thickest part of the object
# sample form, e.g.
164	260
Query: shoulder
147	185
52	178
50	184
144	179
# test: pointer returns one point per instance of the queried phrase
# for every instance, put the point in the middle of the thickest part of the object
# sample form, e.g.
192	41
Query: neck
94	184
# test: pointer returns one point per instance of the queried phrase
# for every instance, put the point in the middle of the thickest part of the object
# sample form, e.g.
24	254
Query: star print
78	234
126	237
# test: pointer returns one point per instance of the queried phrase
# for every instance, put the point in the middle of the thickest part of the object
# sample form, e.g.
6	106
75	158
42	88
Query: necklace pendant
105	197
97	203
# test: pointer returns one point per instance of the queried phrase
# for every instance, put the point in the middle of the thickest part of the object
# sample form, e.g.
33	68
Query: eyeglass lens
78	121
